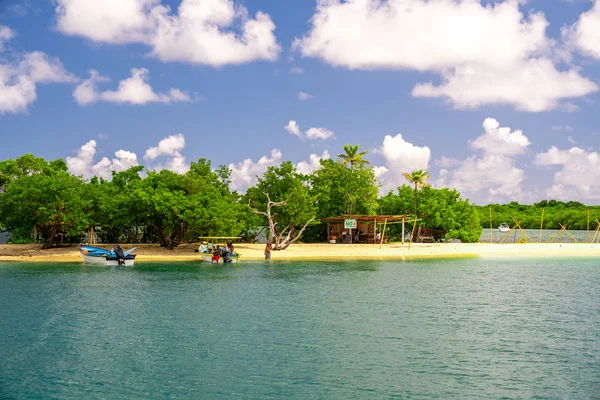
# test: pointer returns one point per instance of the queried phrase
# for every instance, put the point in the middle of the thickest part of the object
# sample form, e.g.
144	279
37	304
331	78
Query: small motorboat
206	249
504	227
99	256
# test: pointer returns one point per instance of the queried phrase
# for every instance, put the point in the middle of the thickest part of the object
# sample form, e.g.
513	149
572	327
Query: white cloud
494	175
244	174
532	85
313	163
485	53
571	140
312	134
305	96
296	70
318	133
133	90
293	128
82	164
585	33
579	176
400	156
5	35
210	32
87	92
19	78
124	160
170	148
497	140
446	162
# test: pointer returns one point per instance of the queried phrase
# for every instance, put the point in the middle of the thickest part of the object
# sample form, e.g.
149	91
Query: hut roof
366	218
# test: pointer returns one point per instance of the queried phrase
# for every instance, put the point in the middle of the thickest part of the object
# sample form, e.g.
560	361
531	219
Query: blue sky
418	84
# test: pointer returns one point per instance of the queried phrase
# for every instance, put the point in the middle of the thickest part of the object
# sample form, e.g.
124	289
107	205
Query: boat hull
235	258
103	261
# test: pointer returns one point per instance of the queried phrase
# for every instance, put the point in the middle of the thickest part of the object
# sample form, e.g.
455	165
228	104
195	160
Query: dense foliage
438	209
572	214
169	208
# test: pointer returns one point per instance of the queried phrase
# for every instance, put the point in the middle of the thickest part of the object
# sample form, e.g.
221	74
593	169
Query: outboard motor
119	253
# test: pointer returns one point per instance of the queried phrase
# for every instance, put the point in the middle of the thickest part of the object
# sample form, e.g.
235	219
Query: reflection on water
466	328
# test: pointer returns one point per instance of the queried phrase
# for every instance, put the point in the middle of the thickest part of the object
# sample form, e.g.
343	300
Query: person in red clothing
216	255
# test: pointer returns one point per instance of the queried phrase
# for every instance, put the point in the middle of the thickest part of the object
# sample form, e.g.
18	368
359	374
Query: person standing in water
268	250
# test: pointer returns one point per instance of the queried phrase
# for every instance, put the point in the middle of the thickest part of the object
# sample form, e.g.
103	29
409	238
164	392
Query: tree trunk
415	200
49	237
288	241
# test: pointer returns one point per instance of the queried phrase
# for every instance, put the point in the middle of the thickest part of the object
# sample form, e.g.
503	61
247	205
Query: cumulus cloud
399	156
5	35
304	96
318	133
244	174
484	53
313	163
20	76
293	128
209	32
83	164
500	140
493	175
585	33
312	134
133	90
579	174
87	92
169	148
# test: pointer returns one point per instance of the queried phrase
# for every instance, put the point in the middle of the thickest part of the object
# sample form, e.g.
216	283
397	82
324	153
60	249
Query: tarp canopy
365	219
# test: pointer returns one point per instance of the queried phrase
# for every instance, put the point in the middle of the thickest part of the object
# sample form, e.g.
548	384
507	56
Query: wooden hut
366	228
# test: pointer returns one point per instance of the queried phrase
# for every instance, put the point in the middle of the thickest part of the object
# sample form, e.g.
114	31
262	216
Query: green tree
353	157
51	201
438	209
287	190
339	190
418	178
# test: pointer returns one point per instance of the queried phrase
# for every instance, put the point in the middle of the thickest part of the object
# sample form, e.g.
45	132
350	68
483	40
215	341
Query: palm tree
418	178
353	157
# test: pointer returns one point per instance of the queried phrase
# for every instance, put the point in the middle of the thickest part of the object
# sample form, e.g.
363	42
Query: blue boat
99	256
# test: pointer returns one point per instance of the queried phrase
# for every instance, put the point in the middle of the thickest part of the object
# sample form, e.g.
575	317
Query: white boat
102	257
235	258
206	248
504	227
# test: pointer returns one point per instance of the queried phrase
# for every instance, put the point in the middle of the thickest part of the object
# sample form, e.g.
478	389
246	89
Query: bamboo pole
588	225
402	230
568	234
542	225
491	227
383	234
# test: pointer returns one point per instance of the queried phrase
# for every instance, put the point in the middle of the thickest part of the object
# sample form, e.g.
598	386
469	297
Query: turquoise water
431	329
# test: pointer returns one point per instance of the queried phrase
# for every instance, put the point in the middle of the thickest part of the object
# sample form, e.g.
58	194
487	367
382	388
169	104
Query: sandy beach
250	252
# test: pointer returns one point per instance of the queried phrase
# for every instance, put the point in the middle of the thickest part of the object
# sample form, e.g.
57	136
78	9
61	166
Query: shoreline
320	252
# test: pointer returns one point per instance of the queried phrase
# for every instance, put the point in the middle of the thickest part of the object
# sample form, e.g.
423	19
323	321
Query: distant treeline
572	214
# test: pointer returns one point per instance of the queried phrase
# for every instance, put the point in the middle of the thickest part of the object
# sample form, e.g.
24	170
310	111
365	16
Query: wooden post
383	233
491	227
328	234
374	230
588	225
542	225
402	230
34	234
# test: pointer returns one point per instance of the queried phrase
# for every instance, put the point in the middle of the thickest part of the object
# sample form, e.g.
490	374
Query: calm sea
462	329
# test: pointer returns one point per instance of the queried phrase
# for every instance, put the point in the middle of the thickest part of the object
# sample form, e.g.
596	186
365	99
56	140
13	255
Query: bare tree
280	239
